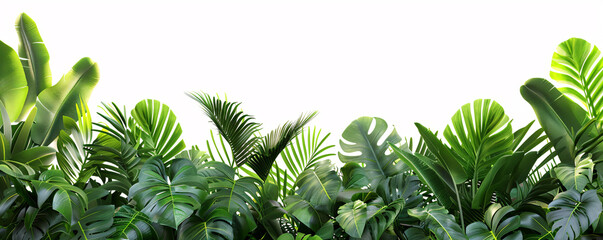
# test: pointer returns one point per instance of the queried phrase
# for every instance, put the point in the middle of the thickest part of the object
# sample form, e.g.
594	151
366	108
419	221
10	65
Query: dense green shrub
132	176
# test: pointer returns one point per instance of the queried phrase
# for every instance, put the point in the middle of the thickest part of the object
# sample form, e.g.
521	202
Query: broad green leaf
482	134
300	236
132	224
443	155
235	196
34	59
500	223
573	213
161	132
68	200
381	217
96	223
36	157
354	176
319	186
560	118
352	217
168	196
373	154
576	177
536	223
304	212
61	99
217	227
437	219
435	177
12	82
577	64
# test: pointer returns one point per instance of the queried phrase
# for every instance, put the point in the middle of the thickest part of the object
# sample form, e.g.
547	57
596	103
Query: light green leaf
576	177
12	82
34	59
61	99
352	217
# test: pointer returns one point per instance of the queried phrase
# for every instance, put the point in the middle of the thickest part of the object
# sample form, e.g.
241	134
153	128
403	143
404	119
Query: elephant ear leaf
34	58
573	213
576	64
61	99
437	219
500	224
161	132
12	82
358	137
96	223
168	197
576	177
559	116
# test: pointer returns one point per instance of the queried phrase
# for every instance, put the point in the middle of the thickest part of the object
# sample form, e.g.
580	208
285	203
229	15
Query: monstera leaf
132	224
352	218
358	138
319	186
161	132
96	223
576	176
305	212
573	213
577	64
168	196
12	81
34	58
217	226
500	224
233	196
535	223
61	99
437	219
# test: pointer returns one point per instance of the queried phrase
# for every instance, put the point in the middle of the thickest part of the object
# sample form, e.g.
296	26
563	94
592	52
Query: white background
406	62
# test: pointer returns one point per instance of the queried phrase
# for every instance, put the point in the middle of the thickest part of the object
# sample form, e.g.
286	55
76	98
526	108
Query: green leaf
61	99
319	186
273	144
96	223
169	196
352	217
132	224
305	212
12	82
573	213
577	64
499	221
235	126
482	134
536	223
72	157
443	155
434	176
354	176
357	138
305	151
576	177
437	219
161	132
34	59
68	200
560	118
36	157
216	227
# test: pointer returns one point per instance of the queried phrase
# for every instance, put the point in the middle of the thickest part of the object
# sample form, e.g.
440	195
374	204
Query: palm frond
235	126
274	143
